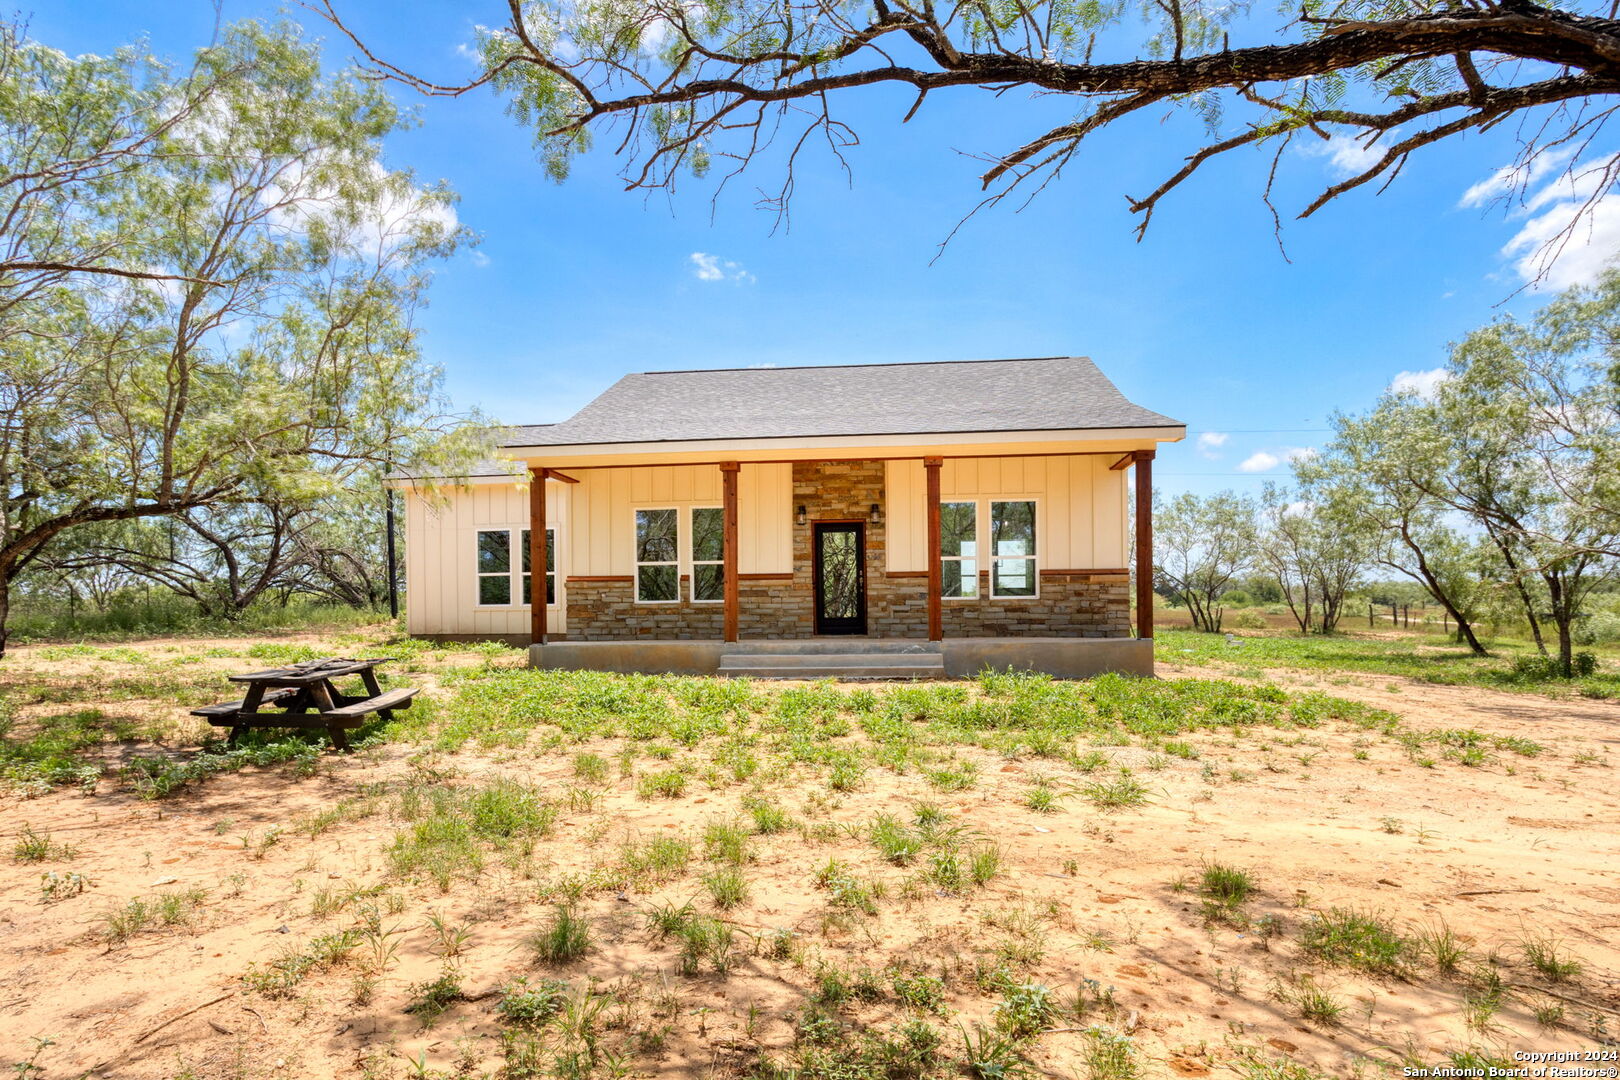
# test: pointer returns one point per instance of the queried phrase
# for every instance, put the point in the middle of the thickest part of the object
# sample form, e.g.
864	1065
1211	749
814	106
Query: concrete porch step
839	646
919	664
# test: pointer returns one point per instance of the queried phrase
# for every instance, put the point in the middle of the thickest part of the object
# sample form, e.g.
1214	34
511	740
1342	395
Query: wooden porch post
1144	543
537	556
728	554
936	617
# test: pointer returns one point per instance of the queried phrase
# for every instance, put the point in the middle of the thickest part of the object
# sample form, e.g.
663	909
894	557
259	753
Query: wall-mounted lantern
800	516
877	514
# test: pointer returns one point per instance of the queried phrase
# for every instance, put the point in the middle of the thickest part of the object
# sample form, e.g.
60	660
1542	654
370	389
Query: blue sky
575	284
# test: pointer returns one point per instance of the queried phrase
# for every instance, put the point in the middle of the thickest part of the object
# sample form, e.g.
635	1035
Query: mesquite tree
1199	546
1379	473
270	350
679	85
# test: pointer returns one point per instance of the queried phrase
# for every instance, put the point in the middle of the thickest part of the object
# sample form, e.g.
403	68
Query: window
959	549
708	554
1012	549
657	557
551	569
495	567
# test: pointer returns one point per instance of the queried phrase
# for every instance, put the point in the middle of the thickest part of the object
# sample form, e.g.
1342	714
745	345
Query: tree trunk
5	610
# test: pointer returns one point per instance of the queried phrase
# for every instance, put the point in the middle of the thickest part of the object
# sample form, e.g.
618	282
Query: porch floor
854	657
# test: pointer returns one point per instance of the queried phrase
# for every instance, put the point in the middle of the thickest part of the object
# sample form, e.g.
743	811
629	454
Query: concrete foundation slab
965	658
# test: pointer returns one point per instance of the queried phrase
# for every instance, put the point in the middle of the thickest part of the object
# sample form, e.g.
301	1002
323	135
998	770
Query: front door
839	553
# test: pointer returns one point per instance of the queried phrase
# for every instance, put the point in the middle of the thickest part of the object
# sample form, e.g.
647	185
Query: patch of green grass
1546	954
1119	793
665	784
895	841
1513	665
1224	888
728	887
923	992
452	827
430	1000
39	847
591	768
164	911
565	937
1364	940
769	817
657	860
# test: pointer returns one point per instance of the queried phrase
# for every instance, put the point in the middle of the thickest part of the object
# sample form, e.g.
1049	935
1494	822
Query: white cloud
1570	243
1348	155
1296	454
713	268
1425	384
1259	461
479	259
1506	180
1210	443
1569	229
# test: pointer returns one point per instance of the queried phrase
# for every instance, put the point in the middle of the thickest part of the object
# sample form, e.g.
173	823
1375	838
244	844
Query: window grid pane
657	556
657	582
958	529
655	536
494	551
1012	528
708	554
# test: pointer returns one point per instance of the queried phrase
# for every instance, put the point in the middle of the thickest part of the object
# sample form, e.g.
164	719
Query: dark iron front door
839	551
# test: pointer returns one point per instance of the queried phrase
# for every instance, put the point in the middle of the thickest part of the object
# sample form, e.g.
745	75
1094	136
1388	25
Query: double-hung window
497	568
657	556
708	554
959	549
1013	570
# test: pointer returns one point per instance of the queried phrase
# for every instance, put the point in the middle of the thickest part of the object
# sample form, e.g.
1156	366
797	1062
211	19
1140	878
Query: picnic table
307	698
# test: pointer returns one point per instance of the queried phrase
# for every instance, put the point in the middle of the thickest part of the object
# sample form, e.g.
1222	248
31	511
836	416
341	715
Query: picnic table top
310	671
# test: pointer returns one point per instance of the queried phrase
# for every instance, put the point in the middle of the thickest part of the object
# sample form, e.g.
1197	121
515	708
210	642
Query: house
879	519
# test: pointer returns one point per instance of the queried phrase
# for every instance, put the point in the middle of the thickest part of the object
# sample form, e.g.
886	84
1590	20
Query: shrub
1246	619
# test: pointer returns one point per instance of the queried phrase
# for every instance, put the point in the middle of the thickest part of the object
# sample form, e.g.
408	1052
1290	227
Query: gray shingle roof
1047	393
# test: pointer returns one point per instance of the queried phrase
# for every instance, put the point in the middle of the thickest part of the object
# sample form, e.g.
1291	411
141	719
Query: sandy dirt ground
1517	849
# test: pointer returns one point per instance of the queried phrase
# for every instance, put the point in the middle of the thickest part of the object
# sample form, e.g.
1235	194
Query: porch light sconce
800	516
877	514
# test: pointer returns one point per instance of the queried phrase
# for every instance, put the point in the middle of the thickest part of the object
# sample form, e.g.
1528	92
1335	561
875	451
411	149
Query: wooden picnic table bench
308	699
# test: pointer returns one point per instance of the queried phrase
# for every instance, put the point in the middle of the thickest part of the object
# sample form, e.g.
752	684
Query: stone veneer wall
781	606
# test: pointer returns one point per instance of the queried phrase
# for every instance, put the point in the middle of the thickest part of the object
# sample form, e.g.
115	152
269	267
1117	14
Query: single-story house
880	519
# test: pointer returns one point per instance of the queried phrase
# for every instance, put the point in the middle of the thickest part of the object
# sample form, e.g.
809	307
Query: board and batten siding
602	537
441	558
1082	521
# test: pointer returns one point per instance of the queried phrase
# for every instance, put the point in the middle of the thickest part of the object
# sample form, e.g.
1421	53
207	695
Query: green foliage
565	937
527	1005
450	828
1364	940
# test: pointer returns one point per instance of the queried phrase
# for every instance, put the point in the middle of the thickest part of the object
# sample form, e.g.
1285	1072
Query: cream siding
441	566
604	502
1080	523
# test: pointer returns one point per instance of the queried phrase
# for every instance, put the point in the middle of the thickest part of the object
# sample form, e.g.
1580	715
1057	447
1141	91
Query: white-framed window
551	568
959	550
494	567
658	570
708	539
497	568
1013	569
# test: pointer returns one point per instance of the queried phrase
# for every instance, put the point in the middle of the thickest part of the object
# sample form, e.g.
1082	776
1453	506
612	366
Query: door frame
817	528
